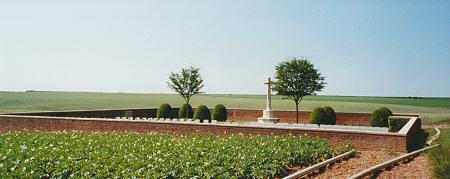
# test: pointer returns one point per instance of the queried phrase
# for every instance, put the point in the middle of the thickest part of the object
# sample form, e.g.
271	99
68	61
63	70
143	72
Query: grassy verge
131	155
439	158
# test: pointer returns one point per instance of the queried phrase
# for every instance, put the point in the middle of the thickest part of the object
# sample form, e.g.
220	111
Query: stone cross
269	94
268	116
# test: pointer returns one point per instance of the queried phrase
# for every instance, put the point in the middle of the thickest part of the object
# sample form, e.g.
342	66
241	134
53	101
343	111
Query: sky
369	48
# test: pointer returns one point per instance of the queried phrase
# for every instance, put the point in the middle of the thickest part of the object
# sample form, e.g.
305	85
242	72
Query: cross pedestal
268	112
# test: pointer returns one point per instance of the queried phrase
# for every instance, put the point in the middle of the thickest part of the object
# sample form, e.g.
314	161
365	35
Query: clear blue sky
382	48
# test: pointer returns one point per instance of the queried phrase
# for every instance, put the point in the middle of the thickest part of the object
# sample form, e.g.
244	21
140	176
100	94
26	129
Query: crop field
130	155
432	110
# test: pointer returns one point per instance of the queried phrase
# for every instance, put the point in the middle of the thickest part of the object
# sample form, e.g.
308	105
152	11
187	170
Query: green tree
297	78
187	83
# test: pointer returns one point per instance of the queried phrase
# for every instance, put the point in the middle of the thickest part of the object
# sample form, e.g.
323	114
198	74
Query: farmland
114	155
432	110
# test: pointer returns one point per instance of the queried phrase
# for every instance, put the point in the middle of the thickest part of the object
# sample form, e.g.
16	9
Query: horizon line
255	94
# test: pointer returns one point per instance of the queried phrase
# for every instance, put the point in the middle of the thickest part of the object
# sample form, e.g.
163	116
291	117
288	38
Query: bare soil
417	168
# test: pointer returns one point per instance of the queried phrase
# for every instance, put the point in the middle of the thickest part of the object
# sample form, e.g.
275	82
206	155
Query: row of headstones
364	128
167	119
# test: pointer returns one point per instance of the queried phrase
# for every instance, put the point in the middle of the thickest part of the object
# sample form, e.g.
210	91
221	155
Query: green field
133	155
432	110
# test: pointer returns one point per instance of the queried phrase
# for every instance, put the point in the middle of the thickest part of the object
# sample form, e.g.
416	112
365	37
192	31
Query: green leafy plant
164	111
297	78
202	112
396	123
343	147
186	111
152	155
380	117
220	113
331	115
318	116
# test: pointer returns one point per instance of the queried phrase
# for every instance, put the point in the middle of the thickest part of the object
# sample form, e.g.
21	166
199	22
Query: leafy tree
297	78
187	83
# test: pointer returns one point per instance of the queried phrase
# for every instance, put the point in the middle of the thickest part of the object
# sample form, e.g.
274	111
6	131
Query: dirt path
417	168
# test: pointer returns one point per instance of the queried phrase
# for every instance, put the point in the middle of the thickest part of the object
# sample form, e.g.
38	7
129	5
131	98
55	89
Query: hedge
380	117
331	115
220	113
186	111
164	111
202	112
396	123
318	116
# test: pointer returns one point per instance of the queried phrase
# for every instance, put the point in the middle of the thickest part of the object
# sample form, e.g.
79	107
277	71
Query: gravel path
417	168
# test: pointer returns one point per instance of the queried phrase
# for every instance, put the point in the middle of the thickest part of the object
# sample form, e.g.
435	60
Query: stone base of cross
268	116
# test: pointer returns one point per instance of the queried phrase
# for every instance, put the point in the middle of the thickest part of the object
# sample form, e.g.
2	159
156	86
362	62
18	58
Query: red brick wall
414	134
359	119
233	114
362	119
361	140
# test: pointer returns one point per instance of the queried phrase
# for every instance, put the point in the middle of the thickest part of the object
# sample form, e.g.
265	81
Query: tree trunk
296	110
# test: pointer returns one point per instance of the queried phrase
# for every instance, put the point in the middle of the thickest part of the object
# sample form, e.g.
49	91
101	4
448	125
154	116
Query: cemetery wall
360	119
247	115
361	140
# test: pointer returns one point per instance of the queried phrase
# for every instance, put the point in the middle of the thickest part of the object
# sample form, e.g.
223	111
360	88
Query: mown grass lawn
131	155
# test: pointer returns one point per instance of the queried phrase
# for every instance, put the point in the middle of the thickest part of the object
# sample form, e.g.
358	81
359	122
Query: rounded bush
380	117
164	111
331	115
220	113
186	111
318	116
202	112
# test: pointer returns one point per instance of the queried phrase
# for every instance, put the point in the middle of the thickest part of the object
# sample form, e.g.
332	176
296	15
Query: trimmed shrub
164	111
318	116
202	112
220	113
396	123
186	111
380	117
331	115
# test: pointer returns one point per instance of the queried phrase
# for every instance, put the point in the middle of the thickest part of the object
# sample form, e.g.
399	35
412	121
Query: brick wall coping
223	124
81	110
405	129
